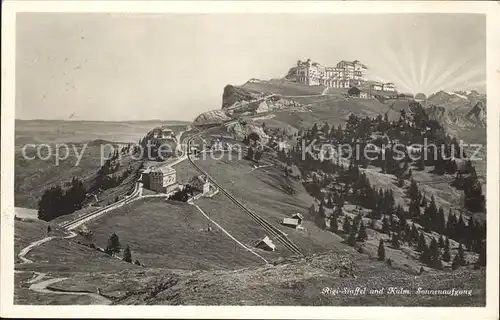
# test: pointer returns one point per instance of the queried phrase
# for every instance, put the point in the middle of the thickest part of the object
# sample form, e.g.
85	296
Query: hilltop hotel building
345	74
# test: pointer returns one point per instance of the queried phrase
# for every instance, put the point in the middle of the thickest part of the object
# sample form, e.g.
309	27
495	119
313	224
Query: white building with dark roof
161	179
344	75
266	244
200	183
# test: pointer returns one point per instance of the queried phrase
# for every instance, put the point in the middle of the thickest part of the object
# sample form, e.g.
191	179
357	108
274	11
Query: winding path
42	286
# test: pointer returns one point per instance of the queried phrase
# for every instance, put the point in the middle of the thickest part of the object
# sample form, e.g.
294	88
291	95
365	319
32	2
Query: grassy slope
32	177
332	107
264	192
171	235
185	172
27	231
334	111
292	283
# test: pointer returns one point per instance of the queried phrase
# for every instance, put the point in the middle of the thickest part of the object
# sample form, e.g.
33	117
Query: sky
118	67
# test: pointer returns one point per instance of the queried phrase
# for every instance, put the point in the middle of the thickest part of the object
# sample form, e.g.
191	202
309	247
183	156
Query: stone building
160	179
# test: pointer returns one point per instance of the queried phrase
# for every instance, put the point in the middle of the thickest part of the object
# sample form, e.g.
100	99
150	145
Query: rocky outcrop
466	109
233	95
213	117
477	114
238	101
437	113
240	130
465	117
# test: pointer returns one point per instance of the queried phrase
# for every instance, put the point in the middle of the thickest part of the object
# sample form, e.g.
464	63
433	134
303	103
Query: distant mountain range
461	108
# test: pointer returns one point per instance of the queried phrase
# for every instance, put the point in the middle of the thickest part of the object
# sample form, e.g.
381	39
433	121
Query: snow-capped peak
456	94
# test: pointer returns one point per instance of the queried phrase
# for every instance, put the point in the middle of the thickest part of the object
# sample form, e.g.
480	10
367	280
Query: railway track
88	216
268	227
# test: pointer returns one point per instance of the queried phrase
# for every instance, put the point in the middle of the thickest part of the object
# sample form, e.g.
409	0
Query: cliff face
213	117
232	95
477	114
236	101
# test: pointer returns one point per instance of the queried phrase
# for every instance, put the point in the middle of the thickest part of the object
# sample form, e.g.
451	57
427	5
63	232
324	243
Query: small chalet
289	222
359	92
200	183
266	244
299	217
294	222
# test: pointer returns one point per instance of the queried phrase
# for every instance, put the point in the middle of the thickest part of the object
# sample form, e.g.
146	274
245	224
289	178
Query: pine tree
481	260
127	255
460	228
434	250
403	225
257	156
362	235
334	225
446	253
351	240
385	225
414	232
395	241
320	216
401	182
461	254
250	153
114	245
451	225
421	242
456	263
329	203
414	210
432	212
326	129
441	221
423	203
394	224
381	250
347	225
314	130
421	163
413	192
441	241
425	256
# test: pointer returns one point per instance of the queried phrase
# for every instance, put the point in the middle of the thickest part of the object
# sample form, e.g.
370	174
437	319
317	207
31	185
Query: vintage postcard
250	159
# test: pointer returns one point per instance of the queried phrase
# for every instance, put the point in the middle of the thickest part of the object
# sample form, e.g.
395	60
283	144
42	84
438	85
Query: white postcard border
490	8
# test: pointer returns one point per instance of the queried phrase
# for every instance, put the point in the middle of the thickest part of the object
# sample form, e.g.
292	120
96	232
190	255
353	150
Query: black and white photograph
213	158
